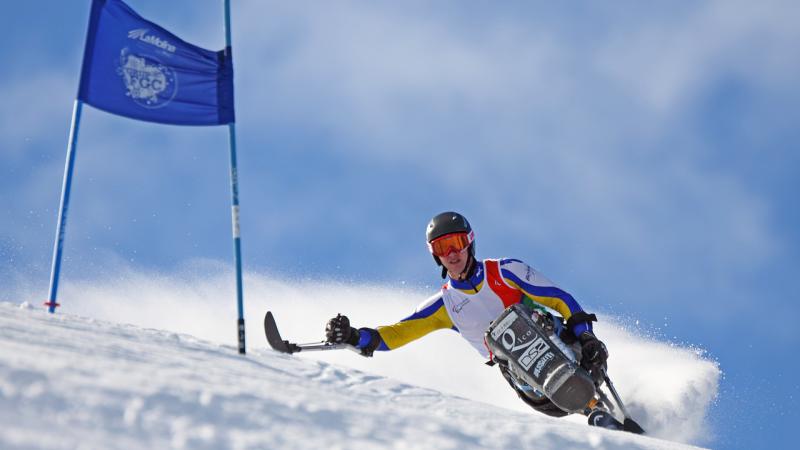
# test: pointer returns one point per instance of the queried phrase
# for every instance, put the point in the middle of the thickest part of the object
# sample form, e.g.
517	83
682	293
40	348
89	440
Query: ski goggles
449	243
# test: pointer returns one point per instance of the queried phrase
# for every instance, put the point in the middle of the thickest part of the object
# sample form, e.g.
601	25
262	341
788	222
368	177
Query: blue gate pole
61	227
237	240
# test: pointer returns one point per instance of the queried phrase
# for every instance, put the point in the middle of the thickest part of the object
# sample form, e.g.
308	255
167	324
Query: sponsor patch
533	352
542	362
503	325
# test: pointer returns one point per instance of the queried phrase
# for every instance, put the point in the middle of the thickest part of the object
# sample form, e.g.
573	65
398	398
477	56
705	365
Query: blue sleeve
541	290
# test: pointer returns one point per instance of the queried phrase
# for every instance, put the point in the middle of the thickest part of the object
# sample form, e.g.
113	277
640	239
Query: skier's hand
339	331
593	355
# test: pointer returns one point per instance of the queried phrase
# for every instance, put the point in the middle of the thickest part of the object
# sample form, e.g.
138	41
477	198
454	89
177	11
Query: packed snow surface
71	381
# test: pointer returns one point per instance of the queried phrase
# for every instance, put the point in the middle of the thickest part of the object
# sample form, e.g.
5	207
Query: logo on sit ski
148	82
542	362
532	346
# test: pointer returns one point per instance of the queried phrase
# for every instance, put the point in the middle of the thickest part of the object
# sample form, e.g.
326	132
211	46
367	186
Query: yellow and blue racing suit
469	306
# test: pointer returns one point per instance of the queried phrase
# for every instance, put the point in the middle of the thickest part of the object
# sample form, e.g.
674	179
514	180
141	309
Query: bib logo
148	82
457	308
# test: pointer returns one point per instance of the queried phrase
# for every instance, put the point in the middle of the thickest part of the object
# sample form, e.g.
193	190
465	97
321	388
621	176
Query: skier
475	294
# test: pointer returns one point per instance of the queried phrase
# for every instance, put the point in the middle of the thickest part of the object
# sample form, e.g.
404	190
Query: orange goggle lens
449	243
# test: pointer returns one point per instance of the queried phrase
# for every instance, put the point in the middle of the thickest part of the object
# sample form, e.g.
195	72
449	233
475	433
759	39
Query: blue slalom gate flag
137	69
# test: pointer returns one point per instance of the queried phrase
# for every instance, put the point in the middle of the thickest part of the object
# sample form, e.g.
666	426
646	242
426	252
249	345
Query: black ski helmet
448	223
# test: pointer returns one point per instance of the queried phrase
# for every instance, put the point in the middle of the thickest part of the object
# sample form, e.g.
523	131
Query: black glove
593	355
339	331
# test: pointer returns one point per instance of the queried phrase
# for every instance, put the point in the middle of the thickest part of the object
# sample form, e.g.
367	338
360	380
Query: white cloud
577	126
668	62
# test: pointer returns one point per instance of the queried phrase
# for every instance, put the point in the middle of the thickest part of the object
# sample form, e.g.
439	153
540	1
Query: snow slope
73	382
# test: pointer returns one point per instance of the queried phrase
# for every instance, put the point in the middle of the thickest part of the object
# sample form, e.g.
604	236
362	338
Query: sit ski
526	344
535	360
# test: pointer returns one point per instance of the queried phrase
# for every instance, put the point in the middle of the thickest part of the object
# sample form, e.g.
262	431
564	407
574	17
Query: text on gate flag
137	69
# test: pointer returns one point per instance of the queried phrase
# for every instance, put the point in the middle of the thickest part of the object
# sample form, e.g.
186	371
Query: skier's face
455	262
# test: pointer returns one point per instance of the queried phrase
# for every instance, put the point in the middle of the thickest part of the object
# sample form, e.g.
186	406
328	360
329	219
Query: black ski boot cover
604	419
515	337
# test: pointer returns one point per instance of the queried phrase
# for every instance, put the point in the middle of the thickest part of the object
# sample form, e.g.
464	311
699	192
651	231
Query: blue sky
642	155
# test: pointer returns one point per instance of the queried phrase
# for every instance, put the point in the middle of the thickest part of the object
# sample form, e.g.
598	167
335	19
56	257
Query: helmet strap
469	269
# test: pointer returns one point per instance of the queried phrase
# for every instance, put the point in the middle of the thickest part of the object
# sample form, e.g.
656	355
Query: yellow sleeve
430	316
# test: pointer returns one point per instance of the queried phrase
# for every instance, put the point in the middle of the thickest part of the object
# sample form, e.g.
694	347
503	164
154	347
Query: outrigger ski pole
277	343
629	424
